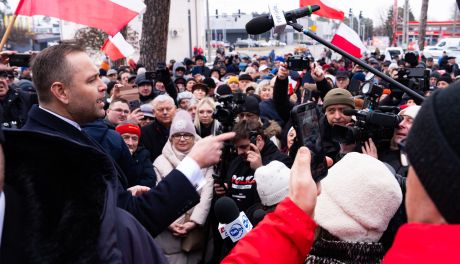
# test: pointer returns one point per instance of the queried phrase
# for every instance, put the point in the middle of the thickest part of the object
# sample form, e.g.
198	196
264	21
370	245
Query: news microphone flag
117	47
108	15
325	9
348	40
238	228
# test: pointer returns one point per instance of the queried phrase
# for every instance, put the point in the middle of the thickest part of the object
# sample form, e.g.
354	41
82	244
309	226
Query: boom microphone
261	24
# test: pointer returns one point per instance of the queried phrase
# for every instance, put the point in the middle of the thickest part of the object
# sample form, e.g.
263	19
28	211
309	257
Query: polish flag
117	47
348	40
325	9
108	15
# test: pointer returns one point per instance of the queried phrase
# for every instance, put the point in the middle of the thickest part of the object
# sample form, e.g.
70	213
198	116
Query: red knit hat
128	128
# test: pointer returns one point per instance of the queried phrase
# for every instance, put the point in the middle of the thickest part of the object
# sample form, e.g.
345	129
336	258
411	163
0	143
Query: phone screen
306	120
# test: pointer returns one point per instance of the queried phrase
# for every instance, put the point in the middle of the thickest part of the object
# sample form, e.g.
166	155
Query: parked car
450	45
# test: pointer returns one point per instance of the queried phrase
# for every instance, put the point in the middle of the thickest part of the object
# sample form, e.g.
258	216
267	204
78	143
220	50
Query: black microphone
226	210
261	24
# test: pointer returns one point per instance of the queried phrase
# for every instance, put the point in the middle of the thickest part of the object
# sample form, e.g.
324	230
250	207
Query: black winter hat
223	89
433	148
246	77
445	77
251	105
210	82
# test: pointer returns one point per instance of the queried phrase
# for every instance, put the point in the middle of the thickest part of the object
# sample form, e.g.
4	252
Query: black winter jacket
16	105
240	176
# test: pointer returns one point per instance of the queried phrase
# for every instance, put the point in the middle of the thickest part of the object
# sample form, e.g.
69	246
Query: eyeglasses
121	111
179	136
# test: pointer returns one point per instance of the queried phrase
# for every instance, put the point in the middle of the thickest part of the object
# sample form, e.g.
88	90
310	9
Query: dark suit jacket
158	208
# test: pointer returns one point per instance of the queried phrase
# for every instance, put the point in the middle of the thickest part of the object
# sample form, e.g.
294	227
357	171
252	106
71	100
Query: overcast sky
437	9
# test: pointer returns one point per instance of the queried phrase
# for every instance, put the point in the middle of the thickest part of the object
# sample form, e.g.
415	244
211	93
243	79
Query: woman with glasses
204	121
185	239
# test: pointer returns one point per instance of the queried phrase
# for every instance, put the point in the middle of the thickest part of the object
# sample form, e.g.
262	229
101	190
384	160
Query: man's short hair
244	129
116	100
161	99
51	65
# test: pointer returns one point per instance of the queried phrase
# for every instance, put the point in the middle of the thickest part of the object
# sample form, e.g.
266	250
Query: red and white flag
325	9
348	40
117	47
108	15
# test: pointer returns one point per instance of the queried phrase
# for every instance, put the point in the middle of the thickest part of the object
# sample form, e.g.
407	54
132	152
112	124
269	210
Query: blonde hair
205	101
263	84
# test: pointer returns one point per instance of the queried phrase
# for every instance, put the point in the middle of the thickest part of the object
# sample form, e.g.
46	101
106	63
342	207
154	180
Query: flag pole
7	32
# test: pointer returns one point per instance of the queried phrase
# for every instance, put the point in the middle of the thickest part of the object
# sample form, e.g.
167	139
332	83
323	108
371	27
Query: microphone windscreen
226	210
259	25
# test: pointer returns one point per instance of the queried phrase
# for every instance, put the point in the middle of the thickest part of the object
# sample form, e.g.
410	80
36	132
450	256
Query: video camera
227	109
377	125
299	62
414	78
161	73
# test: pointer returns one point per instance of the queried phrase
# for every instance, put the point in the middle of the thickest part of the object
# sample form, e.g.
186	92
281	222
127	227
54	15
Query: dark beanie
446	78
338	96
223	89
246	77
433	148
251	105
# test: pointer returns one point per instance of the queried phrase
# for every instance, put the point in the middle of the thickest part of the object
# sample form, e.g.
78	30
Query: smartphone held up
306	122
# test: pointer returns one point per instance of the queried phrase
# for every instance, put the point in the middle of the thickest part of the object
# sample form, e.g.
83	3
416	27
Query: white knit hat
272	182
182	123
358	198
411	111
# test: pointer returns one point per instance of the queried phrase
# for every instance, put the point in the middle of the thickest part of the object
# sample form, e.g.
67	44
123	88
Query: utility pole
406	24
208	32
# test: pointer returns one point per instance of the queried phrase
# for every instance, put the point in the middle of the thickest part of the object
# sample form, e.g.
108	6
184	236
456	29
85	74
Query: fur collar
64	196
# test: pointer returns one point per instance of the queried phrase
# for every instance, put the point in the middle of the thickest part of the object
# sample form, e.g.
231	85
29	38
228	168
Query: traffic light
350	13
239	13
217	14
360	14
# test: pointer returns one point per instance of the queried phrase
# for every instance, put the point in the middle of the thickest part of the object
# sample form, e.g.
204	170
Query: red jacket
425	243
284	236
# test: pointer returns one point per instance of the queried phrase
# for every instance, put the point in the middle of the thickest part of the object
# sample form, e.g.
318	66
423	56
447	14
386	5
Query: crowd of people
94	172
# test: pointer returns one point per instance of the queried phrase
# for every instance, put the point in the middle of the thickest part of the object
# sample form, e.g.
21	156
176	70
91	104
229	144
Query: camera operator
254	150
14	102
391	155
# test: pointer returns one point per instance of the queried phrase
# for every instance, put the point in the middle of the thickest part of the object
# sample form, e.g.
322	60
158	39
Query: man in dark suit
71	94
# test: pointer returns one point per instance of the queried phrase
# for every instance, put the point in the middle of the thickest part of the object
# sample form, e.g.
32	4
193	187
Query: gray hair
161	99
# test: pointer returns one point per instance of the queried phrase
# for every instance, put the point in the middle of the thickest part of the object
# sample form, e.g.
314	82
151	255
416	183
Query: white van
450	45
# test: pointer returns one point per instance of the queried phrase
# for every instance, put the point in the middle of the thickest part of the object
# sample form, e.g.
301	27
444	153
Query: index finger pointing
225	136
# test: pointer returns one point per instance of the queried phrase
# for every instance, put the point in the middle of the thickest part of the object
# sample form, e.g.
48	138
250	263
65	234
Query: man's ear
60	92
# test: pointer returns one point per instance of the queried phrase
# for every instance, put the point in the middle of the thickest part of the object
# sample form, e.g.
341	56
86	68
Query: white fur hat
358	199
272	182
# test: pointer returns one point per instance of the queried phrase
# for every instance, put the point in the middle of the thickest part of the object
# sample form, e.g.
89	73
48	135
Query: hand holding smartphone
306	122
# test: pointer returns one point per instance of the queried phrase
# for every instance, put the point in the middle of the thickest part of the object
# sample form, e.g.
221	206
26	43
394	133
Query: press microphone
277	18
233	224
